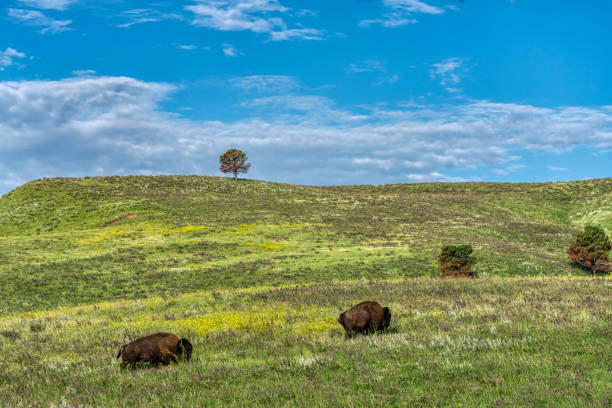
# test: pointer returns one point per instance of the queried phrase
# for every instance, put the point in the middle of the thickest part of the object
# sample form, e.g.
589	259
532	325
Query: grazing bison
156	348
365	317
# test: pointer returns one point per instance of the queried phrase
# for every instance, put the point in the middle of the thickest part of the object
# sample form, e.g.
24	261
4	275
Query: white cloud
84	72
237	15
138	21
386	80
555	168
302	109
187	47
385	164
258	16
446	70
7	57
389	20
400	13
297	33
36	18
49	4
145	15
77	126
230	51
366	66
433	176
413	6
264	83
513	168
449	72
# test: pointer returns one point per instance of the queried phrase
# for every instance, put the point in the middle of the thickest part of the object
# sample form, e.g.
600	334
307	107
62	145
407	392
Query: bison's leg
371	327
124	364
146	357
164	357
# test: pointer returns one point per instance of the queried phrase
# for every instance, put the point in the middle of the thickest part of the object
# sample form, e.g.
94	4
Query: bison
156	348
365	317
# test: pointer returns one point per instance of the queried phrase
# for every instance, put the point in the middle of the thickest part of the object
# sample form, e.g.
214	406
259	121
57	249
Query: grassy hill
255	274
60	247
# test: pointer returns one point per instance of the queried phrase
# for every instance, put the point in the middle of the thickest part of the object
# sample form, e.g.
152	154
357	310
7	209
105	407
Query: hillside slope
178	234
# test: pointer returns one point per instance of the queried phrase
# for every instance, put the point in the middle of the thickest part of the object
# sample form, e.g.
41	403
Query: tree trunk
235	175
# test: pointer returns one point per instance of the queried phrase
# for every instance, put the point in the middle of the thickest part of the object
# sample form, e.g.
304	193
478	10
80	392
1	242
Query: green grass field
255	274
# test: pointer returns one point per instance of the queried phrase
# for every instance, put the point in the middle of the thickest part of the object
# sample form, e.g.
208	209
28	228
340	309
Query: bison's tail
120	351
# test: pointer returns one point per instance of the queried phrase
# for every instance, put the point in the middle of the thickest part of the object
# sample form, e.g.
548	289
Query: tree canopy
234	161
590	249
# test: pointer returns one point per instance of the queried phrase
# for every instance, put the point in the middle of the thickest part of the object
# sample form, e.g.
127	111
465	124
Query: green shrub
456	260
590	249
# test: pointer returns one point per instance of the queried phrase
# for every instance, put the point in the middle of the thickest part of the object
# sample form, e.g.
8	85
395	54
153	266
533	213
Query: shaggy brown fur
156	348
365	317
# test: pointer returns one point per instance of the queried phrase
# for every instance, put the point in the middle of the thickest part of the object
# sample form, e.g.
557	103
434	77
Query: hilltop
69	241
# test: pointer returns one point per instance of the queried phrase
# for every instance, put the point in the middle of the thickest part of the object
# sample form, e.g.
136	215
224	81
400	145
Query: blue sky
315	92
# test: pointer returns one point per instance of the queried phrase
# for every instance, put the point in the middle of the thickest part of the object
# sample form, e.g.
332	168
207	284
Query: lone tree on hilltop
456	260
234	161
590	249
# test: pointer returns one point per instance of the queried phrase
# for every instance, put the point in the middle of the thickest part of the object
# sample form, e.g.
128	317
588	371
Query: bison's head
341	319
185	348
387	312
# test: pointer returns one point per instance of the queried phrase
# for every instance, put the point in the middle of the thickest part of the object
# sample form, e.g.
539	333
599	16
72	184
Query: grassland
255	274
201	233
489	342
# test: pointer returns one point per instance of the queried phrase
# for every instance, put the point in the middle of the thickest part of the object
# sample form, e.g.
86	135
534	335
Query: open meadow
486	342
255	274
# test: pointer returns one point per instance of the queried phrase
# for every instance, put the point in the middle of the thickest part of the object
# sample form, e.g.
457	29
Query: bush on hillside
590	249
456	261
